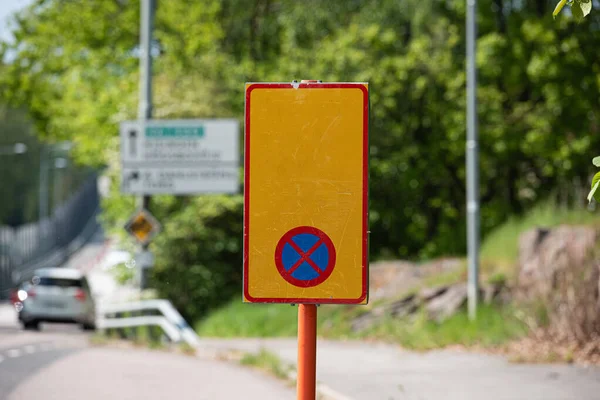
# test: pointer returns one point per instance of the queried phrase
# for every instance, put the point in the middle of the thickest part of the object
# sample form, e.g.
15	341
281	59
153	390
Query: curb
324	392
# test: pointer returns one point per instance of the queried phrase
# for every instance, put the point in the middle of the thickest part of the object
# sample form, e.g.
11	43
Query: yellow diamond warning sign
142	226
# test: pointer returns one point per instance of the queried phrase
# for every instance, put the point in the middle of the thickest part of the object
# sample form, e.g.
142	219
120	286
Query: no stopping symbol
305	256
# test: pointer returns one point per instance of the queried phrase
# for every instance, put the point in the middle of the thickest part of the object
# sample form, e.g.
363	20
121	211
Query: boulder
397	309
438	302
366	320
492	292
405	306
544	253
559	268
429	293
448	303
390	278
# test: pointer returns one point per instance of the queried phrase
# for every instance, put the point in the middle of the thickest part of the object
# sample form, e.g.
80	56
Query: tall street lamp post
46	154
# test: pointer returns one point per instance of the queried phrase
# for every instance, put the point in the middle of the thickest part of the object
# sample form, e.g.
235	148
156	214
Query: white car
56	295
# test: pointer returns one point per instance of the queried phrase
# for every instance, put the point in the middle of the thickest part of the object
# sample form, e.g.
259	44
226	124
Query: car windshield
61	282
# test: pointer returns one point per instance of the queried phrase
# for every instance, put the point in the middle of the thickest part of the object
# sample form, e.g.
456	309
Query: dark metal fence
49	242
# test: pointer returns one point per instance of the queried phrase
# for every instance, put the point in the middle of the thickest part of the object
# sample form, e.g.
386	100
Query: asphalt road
17	363
58	363
371	371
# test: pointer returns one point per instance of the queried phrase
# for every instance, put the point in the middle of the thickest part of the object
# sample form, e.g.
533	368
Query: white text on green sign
174	132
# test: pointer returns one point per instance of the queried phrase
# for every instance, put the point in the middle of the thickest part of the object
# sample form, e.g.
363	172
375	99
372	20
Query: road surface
58	363
368	371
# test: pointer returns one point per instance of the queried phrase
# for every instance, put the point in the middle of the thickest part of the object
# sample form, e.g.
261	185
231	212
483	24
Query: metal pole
43	195
472	162
306	385
58	181
147	8
56	186
307	352
146	22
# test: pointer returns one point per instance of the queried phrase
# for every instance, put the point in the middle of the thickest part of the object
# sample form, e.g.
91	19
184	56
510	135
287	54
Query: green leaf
577	12
586	6
559	7
596	161
594	192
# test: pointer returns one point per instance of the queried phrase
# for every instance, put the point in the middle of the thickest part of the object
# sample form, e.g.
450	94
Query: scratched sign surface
306	193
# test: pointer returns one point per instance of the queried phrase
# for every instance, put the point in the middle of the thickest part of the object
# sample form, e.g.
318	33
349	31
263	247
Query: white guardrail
171	322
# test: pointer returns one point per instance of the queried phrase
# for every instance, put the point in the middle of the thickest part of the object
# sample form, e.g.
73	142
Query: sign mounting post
147	9
306	202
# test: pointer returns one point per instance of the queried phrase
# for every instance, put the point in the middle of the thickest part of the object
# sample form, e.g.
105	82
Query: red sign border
365	249
287	237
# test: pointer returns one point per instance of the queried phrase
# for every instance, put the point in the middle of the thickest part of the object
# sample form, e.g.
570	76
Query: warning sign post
306	202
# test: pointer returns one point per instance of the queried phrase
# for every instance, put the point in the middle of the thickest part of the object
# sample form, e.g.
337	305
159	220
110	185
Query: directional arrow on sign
132	142
132	176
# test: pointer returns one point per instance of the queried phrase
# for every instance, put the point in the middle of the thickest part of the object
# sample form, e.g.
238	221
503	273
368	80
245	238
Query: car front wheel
88	327
31	325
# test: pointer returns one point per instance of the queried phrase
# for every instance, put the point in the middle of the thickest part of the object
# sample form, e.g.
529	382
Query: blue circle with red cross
305	256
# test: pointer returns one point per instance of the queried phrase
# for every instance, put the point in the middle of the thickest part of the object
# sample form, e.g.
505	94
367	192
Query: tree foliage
595	193
198	266
74	66
579	8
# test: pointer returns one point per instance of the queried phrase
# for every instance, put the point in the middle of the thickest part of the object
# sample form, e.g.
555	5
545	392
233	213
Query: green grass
266	361
493	326
499	251
140	336
237	319
250	320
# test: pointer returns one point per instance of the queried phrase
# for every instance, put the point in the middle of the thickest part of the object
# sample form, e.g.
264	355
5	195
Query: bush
123	273
199	255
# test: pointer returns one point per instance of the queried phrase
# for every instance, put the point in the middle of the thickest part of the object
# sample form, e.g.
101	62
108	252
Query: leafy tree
74	67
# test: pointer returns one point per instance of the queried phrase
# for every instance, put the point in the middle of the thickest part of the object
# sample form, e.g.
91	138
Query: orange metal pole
307	342
307	351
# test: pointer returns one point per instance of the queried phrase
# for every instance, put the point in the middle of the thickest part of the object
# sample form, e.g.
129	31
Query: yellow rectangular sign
306	193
